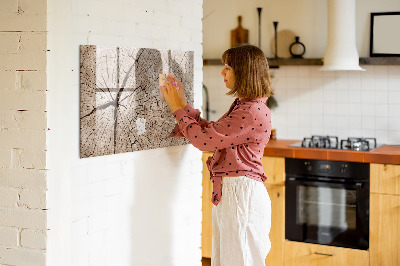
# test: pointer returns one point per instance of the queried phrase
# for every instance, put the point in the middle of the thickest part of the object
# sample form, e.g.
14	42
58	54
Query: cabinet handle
324	254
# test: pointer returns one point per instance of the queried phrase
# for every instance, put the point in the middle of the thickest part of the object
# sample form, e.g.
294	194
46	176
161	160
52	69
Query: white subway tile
394	110
382	136
380	71
382	123
368	123
381	110
394	97
394	137
381	97
394	123
355	96
367	96
291	71
329	109
380	84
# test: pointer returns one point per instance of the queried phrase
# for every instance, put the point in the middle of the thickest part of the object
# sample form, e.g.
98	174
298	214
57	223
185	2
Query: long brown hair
250	66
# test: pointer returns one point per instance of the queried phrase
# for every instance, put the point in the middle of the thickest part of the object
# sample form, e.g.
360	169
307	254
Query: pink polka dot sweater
238	139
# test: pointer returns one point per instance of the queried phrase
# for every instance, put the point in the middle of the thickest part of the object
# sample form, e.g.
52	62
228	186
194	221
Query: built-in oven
327	202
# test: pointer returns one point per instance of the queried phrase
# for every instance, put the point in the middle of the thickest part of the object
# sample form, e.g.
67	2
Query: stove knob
343	168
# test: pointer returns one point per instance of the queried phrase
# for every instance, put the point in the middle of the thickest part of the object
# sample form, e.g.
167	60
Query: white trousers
241	223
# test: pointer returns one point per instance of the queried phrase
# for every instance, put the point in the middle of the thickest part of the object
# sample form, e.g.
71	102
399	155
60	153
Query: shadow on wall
155	201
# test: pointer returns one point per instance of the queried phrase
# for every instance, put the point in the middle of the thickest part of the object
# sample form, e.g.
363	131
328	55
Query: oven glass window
326	207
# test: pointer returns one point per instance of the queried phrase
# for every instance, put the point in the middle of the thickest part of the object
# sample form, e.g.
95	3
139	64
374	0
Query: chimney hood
341	51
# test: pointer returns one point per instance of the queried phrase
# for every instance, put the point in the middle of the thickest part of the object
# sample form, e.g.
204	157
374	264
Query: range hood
341	51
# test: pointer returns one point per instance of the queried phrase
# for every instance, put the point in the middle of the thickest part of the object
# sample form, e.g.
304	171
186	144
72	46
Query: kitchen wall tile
355	109
342	133
394	97
367	96
304	82
381	136
342	122
355	132
380	71
342	80
354	122
329	122
394	82
394	110
394	123
367	110
381	84
304	72
315	72
355	96
326	101
328	74
342	96
393	71
342	109
382	123
367	81
329	93
381	97
329	109
354	80
394	137
367	123
381	110
292	82
291	71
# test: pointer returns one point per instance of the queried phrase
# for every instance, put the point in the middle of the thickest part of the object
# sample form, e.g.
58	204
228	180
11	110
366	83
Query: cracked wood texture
120	105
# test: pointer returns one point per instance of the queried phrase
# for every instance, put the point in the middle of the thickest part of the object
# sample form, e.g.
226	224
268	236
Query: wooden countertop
389	154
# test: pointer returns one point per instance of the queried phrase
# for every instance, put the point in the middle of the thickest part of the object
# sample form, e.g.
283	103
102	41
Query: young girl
242	209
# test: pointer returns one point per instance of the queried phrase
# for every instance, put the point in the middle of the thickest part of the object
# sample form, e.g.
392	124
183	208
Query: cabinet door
304	254
384	230
274	168
385	178
206	232
277	233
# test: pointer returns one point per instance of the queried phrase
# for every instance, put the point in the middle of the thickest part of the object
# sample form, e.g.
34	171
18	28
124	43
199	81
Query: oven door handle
352	185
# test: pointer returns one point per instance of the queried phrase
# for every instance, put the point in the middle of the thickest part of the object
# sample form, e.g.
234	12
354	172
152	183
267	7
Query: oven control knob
343	168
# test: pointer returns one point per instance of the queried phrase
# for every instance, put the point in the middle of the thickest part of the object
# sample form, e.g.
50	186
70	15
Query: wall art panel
120	105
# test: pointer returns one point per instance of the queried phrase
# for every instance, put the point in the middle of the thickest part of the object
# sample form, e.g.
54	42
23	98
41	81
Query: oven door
327	213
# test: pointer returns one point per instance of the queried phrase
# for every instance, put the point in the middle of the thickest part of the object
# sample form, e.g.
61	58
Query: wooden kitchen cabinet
305	254
274	168
206	225
385	178
385	215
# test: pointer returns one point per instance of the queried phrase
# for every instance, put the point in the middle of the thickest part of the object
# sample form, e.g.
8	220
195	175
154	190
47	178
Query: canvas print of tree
120	105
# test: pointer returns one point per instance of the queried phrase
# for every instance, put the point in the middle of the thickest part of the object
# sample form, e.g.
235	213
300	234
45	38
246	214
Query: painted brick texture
139	208
23	132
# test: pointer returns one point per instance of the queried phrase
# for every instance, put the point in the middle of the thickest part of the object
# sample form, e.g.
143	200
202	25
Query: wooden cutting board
239	35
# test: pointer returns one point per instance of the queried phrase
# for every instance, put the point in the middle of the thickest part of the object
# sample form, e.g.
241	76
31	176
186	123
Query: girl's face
229	76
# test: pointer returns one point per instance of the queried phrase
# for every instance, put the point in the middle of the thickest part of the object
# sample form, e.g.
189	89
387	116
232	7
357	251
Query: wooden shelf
380	61
274	63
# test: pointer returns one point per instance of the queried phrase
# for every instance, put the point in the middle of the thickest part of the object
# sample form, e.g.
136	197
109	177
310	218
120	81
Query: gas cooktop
332	142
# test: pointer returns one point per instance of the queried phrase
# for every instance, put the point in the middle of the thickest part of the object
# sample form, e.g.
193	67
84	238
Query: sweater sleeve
230	131
193	113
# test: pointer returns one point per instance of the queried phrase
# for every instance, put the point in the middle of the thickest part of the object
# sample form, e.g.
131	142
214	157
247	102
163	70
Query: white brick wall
140	208
23	132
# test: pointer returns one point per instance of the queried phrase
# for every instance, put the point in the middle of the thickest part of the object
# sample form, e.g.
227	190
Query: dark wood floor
206	261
